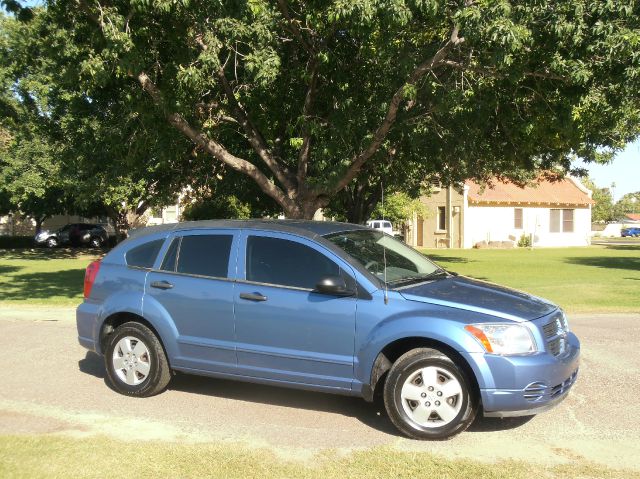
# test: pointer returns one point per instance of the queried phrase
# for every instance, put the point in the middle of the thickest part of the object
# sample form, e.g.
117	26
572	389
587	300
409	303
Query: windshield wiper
439	273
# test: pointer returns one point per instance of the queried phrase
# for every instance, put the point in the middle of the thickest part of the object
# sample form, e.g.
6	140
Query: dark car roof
307	228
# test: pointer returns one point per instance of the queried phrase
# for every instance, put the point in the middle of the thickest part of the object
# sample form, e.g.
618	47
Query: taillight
90	276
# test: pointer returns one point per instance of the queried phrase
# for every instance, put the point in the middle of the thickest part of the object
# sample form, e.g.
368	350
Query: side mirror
334	285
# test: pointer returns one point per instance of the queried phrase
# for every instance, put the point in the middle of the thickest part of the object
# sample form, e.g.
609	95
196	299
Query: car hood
479	296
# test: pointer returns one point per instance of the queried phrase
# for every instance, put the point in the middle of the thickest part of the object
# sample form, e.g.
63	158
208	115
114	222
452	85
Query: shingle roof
544	192
633	216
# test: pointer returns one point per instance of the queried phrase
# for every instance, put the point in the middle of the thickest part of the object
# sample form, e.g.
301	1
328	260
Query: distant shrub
9	242
524	241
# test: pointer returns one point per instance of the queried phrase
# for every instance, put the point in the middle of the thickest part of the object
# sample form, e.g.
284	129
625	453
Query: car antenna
384	250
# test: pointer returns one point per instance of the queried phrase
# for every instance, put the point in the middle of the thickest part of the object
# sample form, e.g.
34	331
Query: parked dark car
632	232
324	306
75	234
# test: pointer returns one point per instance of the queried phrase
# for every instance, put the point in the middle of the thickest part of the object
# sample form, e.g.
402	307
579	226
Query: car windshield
372	249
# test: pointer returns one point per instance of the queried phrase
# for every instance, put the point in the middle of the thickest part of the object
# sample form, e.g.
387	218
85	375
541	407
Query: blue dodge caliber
331	307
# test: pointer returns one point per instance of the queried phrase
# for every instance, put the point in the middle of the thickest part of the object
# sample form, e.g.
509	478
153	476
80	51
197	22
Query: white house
550	213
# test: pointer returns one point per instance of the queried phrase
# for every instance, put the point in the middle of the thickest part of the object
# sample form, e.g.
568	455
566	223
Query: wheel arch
113	321
393	350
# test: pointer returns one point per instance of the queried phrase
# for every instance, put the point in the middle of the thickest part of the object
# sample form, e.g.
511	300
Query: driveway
50	385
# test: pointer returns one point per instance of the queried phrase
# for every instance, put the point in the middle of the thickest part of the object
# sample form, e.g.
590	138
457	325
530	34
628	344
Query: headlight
503	338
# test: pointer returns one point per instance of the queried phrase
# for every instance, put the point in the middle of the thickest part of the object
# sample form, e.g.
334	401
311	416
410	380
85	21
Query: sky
624	171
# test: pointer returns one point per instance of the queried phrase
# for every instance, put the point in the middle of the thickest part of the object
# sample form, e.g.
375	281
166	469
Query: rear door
194	283
285	330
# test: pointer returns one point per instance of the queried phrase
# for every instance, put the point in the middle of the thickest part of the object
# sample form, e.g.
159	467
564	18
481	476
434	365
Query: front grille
555	334
565	385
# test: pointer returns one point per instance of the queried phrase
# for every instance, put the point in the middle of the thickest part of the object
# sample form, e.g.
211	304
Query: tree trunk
39	220
359	201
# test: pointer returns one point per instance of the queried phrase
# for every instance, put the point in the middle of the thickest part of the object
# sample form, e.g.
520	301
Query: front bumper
525	385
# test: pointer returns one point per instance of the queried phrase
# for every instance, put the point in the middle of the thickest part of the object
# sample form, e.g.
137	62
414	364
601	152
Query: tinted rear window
205	255
145	254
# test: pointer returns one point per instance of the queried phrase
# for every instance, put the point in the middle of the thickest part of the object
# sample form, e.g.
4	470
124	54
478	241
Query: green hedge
7	242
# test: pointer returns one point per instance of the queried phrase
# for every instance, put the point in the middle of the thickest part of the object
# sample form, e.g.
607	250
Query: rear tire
95	242
135	361
428	396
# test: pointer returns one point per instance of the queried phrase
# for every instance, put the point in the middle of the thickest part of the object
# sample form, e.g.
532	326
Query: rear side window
144	255
286	263
169	261
205	255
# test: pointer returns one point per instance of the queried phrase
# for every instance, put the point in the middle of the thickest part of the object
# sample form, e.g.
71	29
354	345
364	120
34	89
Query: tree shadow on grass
625	247
9	269
43	286
40	254
447	259
624	263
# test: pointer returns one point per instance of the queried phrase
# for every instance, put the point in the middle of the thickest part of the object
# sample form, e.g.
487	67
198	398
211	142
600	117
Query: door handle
253	296
161	285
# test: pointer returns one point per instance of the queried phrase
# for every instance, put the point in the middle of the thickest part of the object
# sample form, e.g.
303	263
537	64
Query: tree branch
303	156
494	74
295	28
392	111
257	141
215	149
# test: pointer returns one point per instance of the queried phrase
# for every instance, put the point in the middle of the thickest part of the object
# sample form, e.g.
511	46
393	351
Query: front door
284	329
194	284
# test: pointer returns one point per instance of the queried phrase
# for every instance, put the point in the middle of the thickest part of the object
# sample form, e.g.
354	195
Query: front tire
95	242
428	396
135	361
52	242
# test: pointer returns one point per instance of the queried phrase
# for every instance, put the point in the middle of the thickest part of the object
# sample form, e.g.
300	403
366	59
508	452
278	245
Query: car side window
144	255
205	255
286	263
170	257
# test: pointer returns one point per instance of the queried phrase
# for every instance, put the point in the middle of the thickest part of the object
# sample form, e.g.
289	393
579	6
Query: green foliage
399	207
524	241
629	203
604	210
216	208
532	85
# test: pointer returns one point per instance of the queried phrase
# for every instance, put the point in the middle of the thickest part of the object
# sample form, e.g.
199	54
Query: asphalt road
51	385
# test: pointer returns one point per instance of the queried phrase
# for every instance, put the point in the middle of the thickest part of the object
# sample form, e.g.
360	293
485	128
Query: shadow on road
370	414
491	424
92	364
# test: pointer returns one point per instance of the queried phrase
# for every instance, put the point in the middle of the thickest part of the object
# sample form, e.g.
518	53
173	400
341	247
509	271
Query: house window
517	218
561	220
442	218
567	221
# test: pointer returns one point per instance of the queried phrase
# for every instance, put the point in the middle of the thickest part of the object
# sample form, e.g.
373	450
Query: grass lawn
590	279
593	279
56	456
40	277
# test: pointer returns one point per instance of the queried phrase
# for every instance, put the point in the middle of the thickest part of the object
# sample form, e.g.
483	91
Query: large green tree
305	97
71	151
